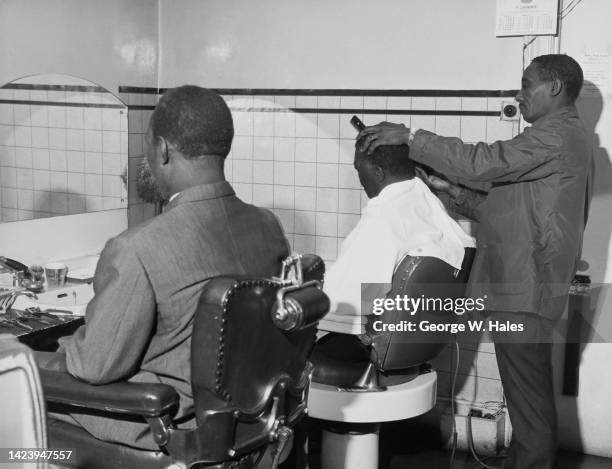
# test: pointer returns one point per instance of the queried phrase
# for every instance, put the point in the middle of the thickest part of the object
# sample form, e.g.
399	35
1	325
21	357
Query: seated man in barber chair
403	217
149	278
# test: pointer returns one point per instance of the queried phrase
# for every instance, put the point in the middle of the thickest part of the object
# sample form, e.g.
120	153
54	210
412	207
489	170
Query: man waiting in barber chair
403	217
149	278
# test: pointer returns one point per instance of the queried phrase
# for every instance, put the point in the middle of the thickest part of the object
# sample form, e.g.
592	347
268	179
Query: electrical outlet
509	111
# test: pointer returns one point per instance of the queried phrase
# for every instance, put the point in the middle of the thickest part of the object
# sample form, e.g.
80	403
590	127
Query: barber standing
532	218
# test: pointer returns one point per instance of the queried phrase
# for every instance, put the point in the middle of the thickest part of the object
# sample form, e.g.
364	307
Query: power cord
452	397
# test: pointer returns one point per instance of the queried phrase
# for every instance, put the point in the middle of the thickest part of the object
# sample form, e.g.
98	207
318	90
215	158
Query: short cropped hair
562	67
194	119
393	159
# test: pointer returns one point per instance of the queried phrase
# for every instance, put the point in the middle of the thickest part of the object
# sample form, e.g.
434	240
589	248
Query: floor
408	447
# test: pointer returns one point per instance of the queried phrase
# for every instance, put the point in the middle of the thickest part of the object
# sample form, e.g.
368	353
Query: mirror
63	148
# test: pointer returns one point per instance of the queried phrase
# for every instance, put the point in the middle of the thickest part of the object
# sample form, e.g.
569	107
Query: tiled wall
293	153
63	148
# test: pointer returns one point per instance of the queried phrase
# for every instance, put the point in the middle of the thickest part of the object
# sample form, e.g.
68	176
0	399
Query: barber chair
23	413
362	380
250	376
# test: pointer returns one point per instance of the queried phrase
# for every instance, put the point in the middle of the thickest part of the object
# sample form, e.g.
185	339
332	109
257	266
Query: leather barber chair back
383	375
250	375
424	278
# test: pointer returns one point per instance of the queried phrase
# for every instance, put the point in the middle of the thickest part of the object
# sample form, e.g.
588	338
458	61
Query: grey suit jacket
147	286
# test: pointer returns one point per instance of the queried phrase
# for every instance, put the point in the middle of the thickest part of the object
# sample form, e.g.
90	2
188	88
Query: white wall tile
286	218
450	103
75	118
263	195
8	177
93	163
284	198
59	203
326	224
111	142
40	137
242	148
58	160
349	201
327	200
284	149
23	157
306	149
327	175
305	174
6	114
57	138
39	116
326	247
7	156
284	173
284	124
309	102
263	172
304	244
473	129
243	123
347	177
305	198
306	125
25	178
263	124
327	150
93	186
329	126
448	126
42	180
263	148
399	102
23	136
346	223
243	171
305	222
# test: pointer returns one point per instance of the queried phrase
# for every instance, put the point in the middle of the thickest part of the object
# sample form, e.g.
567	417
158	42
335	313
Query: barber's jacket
533	218
405	218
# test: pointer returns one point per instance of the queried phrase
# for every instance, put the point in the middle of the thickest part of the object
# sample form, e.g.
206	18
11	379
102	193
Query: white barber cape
406	218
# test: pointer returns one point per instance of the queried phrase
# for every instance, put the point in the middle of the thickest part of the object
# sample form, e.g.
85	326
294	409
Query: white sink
72	298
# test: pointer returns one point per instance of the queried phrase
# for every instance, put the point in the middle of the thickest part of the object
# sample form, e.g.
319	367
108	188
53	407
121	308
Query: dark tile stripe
79	88
338	92
55	103
303	110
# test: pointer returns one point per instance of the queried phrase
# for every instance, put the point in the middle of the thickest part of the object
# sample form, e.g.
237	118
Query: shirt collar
213	190
391	192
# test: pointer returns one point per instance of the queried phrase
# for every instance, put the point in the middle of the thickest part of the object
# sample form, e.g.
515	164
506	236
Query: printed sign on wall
526	17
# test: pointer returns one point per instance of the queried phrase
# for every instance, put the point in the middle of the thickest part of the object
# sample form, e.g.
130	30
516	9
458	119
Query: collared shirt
404	219
532	220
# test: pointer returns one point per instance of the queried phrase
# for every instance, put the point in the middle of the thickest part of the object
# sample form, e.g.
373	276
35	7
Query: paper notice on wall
596	68
526	17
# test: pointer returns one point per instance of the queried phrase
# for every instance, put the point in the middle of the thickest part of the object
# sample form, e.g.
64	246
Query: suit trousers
525	368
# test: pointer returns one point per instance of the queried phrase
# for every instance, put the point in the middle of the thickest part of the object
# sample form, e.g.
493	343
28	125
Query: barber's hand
385	133
435	183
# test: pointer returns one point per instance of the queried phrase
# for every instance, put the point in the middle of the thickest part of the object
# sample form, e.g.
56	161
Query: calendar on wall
526	17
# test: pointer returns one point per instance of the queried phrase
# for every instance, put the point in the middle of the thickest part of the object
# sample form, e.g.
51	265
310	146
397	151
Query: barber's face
535	96
367	175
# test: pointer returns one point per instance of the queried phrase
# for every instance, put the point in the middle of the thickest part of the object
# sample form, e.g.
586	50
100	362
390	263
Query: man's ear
164	150
379	173
556	87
